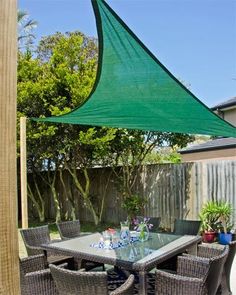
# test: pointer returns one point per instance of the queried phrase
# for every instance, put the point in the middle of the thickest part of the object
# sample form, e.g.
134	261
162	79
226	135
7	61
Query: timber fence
173	191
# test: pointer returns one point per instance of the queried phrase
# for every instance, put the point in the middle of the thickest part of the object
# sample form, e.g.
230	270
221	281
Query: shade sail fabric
134	90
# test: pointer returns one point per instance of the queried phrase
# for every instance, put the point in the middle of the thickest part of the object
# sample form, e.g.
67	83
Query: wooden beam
23	173
9	253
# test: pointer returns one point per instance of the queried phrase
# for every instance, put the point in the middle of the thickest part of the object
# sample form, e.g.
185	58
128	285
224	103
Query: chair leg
224	288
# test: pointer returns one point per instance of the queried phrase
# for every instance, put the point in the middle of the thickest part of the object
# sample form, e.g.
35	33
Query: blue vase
225	239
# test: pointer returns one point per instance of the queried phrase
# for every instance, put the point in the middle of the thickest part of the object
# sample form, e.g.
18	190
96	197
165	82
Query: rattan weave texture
195	275
87	283
35	277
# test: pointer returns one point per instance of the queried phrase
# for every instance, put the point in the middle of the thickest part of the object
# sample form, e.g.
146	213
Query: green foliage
55	81
25	29
50	87
216	215
134	205
225	211
163	155
132	149
209	216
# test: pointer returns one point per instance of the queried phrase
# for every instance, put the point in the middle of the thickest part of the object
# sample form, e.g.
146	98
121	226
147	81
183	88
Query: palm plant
209	216
225	211
25	28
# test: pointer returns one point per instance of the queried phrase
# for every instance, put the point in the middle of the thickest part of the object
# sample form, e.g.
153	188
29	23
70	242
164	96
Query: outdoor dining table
137	256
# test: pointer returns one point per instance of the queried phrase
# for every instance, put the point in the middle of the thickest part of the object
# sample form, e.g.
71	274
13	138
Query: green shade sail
134	90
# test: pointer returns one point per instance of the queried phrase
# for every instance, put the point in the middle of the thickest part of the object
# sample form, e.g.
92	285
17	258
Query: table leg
142	283
192	250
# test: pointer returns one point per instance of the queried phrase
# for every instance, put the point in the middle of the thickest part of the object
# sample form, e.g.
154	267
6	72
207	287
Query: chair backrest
35	236
76	282
209	250
186	227
214	277
153	220
69	229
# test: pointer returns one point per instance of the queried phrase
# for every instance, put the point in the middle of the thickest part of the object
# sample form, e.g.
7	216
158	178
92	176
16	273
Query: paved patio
233	277
233	270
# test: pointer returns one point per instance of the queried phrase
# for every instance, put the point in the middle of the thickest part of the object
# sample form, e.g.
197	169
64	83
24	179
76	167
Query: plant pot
209	237
225	239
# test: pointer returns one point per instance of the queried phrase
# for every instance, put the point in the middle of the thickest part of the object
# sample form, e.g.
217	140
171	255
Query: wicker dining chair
194	276
186	227
69	229
87	283
36	236
181	227
35	276
210	250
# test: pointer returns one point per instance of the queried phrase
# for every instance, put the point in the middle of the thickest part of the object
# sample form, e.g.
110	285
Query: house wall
224	154
230	116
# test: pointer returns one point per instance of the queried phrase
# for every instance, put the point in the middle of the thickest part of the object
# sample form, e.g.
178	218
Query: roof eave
205	149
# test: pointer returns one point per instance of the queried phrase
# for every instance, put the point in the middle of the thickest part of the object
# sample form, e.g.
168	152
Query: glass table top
138	250
131	252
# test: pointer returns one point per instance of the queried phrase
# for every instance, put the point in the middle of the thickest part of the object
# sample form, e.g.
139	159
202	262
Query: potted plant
209	221
225	211
134	205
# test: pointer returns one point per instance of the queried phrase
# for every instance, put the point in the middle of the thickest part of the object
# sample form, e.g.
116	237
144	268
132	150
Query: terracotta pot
209	237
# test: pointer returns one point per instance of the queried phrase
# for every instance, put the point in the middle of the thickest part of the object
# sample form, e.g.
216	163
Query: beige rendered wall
224	154
230	116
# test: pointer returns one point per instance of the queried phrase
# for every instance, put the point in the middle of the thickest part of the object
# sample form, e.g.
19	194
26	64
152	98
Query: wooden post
9	252
23	173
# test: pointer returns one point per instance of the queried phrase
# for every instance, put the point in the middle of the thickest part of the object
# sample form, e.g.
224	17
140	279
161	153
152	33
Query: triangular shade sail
134	90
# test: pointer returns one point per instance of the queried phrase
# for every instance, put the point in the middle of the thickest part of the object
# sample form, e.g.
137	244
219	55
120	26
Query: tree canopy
55	80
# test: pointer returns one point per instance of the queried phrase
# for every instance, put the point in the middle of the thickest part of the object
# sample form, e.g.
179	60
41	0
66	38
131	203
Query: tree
54	82
25	29
131	148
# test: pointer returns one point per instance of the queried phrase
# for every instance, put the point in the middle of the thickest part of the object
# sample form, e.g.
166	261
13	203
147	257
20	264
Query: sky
195	40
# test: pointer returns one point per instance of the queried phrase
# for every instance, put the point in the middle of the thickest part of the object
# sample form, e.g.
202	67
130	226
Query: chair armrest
41	281
33	263
167	283
33	250
39	273
125	288
193	266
